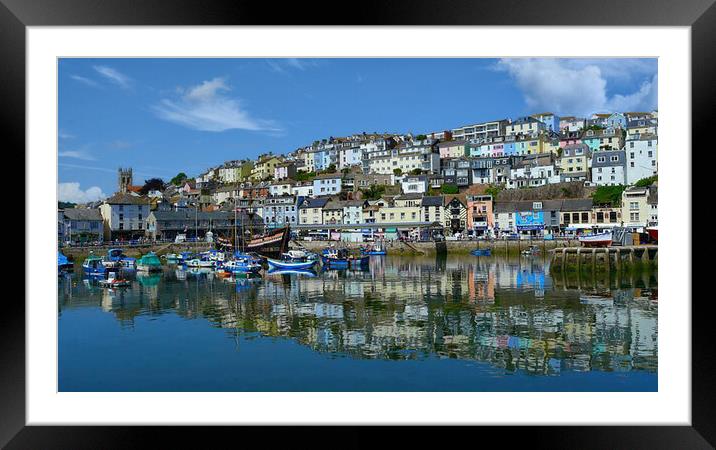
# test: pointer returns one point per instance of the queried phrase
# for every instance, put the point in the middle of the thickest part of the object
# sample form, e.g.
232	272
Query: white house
414	184
124	216
641	157
609	167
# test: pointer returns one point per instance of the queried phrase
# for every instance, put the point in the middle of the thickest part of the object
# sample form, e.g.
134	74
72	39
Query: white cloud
84	80
76	154
114	76
282	64
206	107
71	192
579	87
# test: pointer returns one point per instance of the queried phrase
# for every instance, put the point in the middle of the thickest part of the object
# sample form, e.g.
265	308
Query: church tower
124	179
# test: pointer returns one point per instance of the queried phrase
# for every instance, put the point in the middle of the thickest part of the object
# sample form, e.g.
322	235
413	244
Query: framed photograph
446	217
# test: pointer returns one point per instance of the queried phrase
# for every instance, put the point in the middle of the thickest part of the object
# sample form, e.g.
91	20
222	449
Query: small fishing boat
149	263
374	249
294	259
64	264
241	265
93	265
596	240
340	259
653	233
481	252
113	258
200	263
128	263
113	282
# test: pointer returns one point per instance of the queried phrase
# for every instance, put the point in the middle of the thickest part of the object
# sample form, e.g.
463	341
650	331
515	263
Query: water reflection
508	312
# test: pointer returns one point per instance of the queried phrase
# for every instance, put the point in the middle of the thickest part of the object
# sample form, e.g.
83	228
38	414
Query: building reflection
505	312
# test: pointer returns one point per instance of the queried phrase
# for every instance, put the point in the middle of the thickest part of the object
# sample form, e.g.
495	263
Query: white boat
113	282
596	240
200	263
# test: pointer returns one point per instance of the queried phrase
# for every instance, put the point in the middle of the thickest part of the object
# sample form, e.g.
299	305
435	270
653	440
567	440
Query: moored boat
481	252
200	263
293	260
149	263
241	265
113	282
271	244
298	272
93	265
596	240
374	249
64	264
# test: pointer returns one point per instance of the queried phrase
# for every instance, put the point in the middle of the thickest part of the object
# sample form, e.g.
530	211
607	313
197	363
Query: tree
416	172
420	137
152	184
449	189
608	195
374	192
493	191
646	182
398	171
179	179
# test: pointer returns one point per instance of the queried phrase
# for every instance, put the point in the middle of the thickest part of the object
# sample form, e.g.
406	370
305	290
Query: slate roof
432	201
82	214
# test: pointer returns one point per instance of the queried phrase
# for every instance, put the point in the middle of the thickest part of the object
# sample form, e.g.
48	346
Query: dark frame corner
16	15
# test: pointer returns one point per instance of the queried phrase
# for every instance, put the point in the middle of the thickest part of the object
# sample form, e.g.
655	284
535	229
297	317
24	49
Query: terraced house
125	216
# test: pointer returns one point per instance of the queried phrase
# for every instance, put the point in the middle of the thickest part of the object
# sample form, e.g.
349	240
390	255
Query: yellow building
264	168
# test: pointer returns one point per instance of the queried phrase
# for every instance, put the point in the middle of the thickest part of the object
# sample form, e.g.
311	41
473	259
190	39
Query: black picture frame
16	15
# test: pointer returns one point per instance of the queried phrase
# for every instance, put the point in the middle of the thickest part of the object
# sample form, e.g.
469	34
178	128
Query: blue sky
163	116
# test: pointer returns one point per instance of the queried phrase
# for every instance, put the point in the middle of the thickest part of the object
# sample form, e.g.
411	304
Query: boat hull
272	244
288	265
485	252
334	263
599	240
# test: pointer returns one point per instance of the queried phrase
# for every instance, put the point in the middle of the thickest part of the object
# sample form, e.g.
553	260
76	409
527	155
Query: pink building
480	219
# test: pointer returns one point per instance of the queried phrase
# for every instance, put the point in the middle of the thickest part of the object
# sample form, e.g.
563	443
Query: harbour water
461	323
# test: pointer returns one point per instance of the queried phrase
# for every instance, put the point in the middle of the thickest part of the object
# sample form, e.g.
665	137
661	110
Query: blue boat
341	259
241	264
481	252
299	272
64	264
93	265
375	249
293	259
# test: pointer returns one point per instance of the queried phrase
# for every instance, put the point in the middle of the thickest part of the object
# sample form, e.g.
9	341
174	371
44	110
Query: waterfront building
431	208
605	216
480	131
609	168
641	157
353	211
124	216
636	210
333	212
327	184
280	210
311	210
525	126
455	213
575	163
194	223
480	219
81	225
576	214
653	201
403	208
527	218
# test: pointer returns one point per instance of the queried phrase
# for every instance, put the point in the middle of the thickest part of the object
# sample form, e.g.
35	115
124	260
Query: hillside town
538	176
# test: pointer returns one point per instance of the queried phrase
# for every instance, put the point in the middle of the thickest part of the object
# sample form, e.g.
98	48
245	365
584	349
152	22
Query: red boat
653	233
596	240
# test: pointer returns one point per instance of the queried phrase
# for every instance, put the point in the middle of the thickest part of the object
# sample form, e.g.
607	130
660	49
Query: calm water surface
460	323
